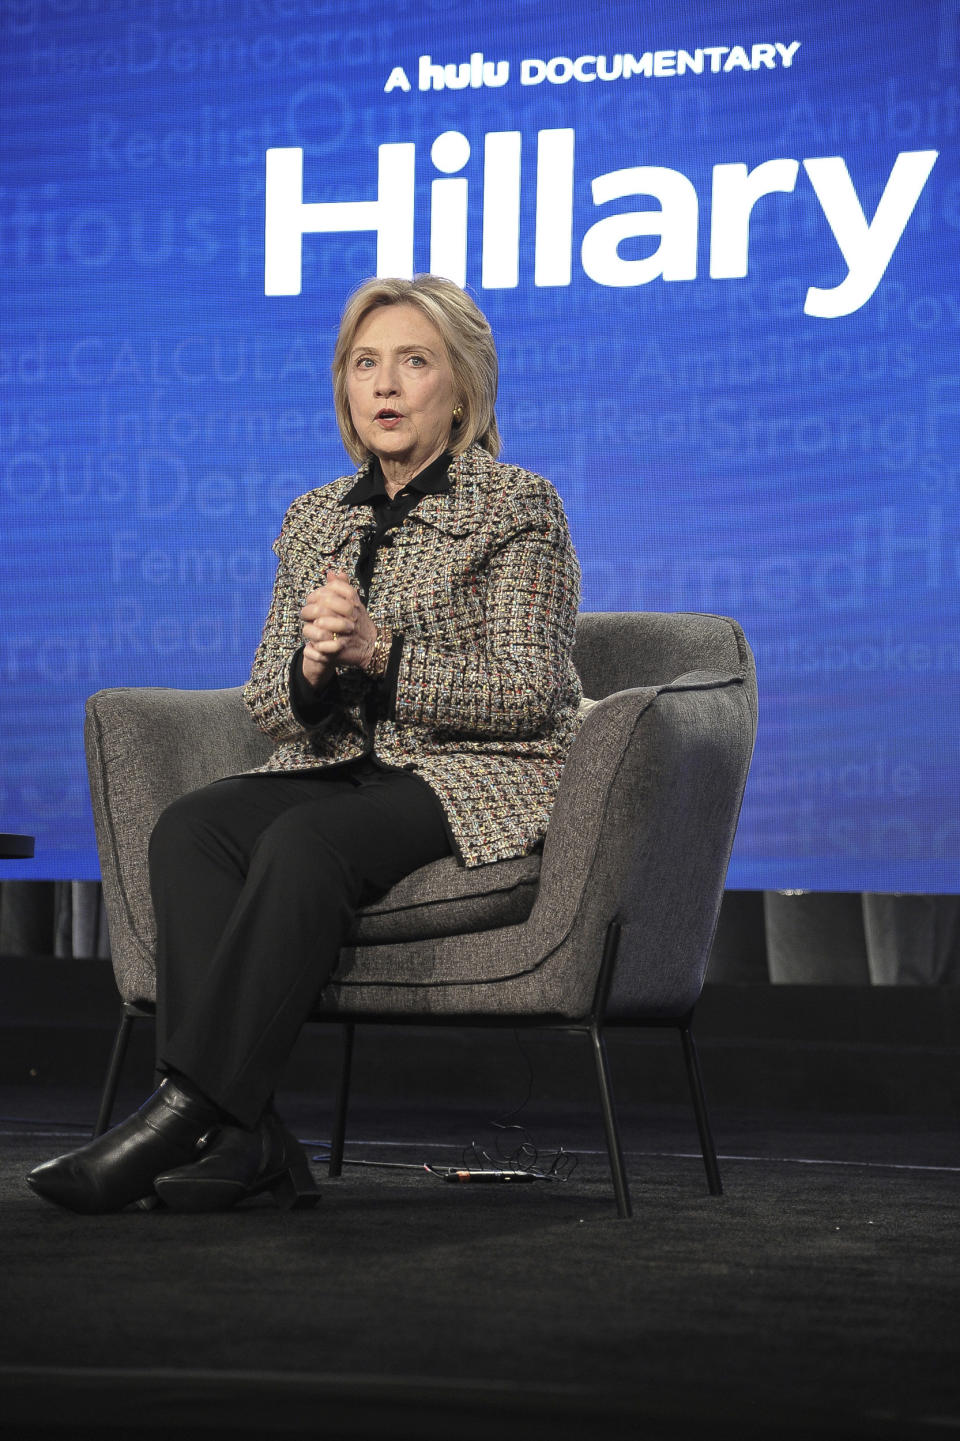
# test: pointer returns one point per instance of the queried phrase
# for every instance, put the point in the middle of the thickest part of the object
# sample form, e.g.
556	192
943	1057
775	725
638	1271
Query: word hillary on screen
866	246
478	73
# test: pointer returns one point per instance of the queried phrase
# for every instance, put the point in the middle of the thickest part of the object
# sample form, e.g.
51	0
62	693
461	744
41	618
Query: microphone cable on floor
520	1162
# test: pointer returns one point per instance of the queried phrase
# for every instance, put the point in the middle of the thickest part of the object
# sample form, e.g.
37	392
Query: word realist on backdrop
866	246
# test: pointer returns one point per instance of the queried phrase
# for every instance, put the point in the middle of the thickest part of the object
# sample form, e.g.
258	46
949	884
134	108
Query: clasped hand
336	628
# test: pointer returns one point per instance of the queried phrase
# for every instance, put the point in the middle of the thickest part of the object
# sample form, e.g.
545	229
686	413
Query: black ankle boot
240	1163
119	1167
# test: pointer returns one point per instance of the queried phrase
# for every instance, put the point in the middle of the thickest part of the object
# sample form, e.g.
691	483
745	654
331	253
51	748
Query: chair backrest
618	650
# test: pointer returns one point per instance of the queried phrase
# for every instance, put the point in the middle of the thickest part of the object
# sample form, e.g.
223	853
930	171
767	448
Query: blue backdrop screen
718	245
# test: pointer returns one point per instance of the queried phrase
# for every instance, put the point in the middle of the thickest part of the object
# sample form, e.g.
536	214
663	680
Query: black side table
15	848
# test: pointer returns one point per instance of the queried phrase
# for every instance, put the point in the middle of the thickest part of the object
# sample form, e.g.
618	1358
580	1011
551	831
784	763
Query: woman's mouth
388	418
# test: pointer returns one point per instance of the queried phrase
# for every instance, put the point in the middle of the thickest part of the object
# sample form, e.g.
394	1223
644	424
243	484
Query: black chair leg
117	1057
700	1111
339	1132
614	1150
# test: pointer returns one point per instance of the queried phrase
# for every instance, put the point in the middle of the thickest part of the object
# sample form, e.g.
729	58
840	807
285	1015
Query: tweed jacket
483	585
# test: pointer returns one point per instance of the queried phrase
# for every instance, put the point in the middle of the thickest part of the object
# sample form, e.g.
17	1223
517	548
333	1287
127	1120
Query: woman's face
400	387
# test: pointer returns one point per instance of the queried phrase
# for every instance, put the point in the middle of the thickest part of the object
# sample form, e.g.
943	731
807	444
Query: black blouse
310	705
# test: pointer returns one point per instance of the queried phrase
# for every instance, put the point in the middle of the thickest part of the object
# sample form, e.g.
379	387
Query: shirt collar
369	488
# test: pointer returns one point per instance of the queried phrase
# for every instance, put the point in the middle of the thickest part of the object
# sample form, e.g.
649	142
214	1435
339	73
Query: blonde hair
467	338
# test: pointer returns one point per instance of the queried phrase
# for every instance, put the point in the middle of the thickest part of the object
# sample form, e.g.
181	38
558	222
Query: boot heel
295	1189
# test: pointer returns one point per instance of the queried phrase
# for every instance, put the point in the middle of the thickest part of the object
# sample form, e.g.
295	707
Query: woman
415	675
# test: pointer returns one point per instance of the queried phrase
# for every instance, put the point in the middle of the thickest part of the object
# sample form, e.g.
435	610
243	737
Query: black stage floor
817	1297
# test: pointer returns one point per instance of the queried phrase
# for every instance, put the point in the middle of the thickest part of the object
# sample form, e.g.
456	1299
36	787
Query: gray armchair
612	924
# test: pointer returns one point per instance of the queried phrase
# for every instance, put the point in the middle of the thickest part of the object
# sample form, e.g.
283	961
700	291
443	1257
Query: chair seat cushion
447	899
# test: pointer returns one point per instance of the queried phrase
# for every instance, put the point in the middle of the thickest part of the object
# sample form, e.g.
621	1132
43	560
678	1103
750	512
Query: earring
457	414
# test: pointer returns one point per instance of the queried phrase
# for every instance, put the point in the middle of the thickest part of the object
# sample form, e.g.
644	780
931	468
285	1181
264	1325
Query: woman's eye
417	360
365	362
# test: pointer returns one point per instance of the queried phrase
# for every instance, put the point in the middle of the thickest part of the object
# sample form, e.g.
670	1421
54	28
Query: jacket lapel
463	508
328	533
460	511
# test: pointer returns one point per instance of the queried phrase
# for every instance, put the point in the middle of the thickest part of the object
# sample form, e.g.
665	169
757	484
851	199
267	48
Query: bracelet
376	664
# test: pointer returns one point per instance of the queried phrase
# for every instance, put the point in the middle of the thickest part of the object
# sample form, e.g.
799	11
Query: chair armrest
146	747
642	832
588	788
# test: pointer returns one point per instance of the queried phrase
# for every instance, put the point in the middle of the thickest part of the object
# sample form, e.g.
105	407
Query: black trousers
256	881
